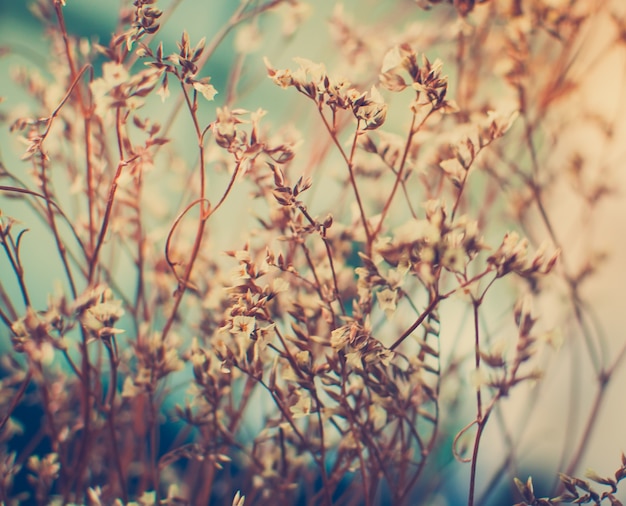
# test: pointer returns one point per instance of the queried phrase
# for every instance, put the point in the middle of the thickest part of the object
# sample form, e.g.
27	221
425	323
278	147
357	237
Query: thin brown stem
16	399
349	159
413	129
111	417
429	309
480	421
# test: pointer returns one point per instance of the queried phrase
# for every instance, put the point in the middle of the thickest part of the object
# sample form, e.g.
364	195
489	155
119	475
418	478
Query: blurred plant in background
304	270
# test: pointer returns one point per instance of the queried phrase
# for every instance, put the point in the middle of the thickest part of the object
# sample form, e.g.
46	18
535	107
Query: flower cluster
511	256
426	79
423	246
183	65
311	79
144	21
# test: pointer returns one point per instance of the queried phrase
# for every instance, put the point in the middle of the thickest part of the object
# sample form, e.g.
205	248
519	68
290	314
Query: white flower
302	407
208	90
242	326
391	60
113	75
309	71
129	389
340	337
280	285
453	258
387	300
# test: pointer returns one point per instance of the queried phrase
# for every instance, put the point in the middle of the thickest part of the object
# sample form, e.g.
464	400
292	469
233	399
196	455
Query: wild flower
354	302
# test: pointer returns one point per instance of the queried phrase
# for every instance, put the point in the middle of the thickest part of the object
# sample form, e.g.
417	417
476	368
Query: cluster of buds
31	334
459	157
426	79
359	346
248	327
99	315
144	21
35	134
211	381
248	145
226	132
247	282
506	373
312	80
117	89
39	333
184	65
424	245
287	195
187	58
512	256
369	108
146	16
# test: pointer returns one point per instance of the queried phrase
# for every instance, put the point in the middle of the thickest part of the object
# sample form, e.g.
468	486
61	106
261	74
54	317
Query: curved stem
480	421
